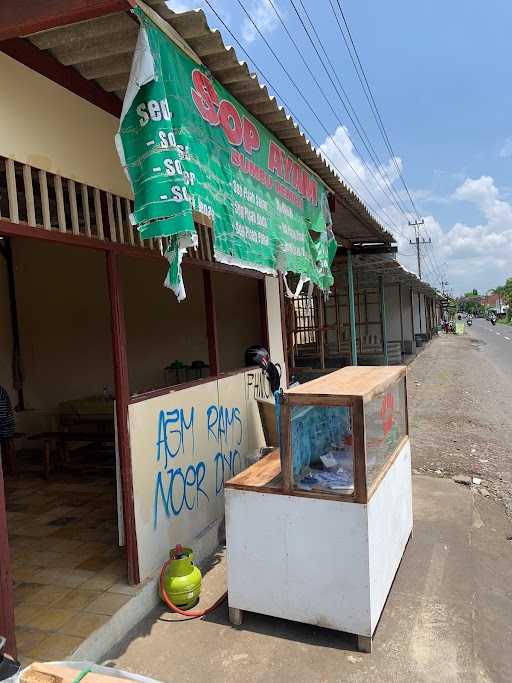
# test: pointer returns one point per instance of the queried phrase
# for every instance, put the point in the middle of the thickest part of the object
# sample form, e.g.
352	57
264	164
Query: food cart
316	530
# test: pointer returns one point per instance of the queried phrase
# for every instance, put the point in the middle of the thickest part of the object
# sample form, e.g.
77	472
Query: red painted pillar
6	590
122	393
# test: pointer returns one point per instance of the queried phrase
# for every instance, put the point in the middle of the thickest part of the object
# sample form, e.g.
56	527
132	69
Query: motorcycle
469	322
493	321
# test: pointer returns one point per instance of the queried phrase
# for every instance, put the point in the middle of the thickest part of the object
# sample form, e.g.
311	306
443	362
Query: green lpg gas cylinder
182	579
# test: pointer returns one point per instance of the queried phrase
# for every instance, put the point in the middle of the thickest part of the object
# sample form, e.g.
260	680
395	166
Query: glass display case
334	502
340	433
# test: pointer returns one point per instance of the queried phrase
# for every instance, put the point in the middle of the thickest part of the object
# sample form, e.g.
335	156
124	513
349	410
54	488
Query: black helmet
257	355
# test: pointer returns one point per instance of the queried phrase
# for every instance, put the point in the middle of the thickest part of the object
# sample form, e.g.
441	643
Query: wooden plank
122	394
59	195
111	217
359	452
73	207
29	194
44	672
120	220
98	212
267	413
131	228
360	381
85	205
45	202
12	191
286	462
259	474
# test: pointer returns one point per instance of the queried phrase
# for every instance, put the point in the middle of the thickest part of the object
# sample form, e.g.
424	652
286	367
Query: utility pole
443	285
416	225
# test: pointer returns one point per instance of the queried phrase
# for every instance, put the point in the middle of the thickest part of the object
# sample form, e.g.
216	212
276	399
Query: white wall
274	322
48	127
407	312
418	327
392	301
184	446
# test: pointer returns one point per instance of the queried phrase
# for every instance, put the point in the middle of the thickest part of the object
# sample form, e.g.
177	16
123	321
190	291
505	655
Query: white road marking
507	338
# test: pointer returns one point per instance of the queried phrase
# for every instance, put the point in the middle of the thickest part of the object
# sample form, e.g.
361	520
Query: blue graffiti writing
226	464
172	429
175	489
224	424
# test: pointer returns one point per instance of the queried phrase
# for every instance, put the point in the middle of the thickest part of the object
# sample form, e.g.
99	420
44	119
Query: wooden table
61	439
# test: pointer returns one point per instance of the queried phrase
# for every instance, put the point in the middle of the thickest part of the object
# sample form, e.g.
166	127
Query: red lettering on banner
205	97
248	167
251	137
275	159
230	122
241	130
237	129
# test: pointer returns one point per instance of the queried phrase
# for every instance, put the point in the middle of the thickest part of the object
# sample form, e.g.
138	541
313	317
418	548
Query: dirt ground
460	416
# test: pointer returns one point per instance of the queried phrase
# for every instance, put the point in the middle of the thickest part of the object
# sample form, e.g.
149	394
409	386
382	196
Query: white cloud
264	17
366	180
506	150
477	255
182	5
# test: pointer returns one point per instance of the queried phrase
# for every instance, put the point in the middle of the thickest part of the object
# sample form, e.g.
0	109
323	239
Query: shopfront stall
317	530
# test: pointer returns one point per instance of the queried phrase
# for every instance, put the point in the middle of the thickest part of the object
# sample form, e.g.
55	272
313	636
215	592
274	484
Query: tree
507	290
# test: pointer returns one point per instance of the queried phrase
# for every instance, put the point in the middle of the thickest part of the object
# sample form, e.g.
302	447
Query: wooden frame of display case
353	388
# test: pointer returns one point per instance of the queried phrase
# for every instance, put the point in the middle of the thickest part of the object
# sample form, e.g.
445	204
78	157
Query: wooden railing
51	202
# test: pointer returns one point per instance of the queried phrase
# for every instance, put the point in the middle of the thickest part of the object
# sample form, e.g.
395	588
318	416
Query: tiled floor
69	573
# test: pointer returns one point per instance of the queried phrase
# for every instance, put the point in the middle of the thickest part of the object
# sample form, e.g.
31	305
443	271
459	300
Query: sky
439	72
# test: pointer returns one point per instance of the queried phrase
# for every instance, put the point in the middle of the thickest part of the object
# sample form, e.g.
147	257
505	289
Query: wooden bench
61	439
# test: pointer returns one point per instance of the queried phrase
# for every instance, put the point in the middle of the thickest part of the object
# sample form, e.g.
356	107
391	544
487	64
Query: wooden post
211	323
122	394
401	318
412	316
419	311
262	298
382	307
286	337
321	329
351	308
7	624
15	329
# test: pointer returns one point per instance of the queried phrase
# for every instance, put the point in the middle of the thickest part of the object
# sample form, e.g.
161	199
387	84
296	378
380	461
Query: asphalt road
496	341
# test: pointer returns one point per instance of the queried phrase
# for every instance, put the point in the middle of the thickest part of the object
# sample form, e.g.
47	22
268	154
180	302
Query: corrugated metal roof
101	49
370	266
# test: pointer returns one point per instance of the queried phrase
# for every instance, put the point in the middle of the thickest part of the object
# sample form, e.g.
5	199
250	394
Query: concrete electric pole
416	225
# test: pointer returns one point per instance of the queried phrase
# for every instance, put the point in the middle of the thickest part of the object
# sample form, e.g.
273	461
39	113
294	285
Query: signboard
188	146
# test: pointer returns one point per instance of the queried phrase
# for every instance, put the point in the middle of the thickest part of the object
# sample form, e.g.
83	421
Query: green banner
189	146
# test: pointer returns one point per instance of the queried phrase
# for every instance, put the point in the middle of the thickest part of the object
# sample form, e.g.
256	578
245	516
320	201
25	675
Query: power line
305	100
308	104
342	96
369	96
